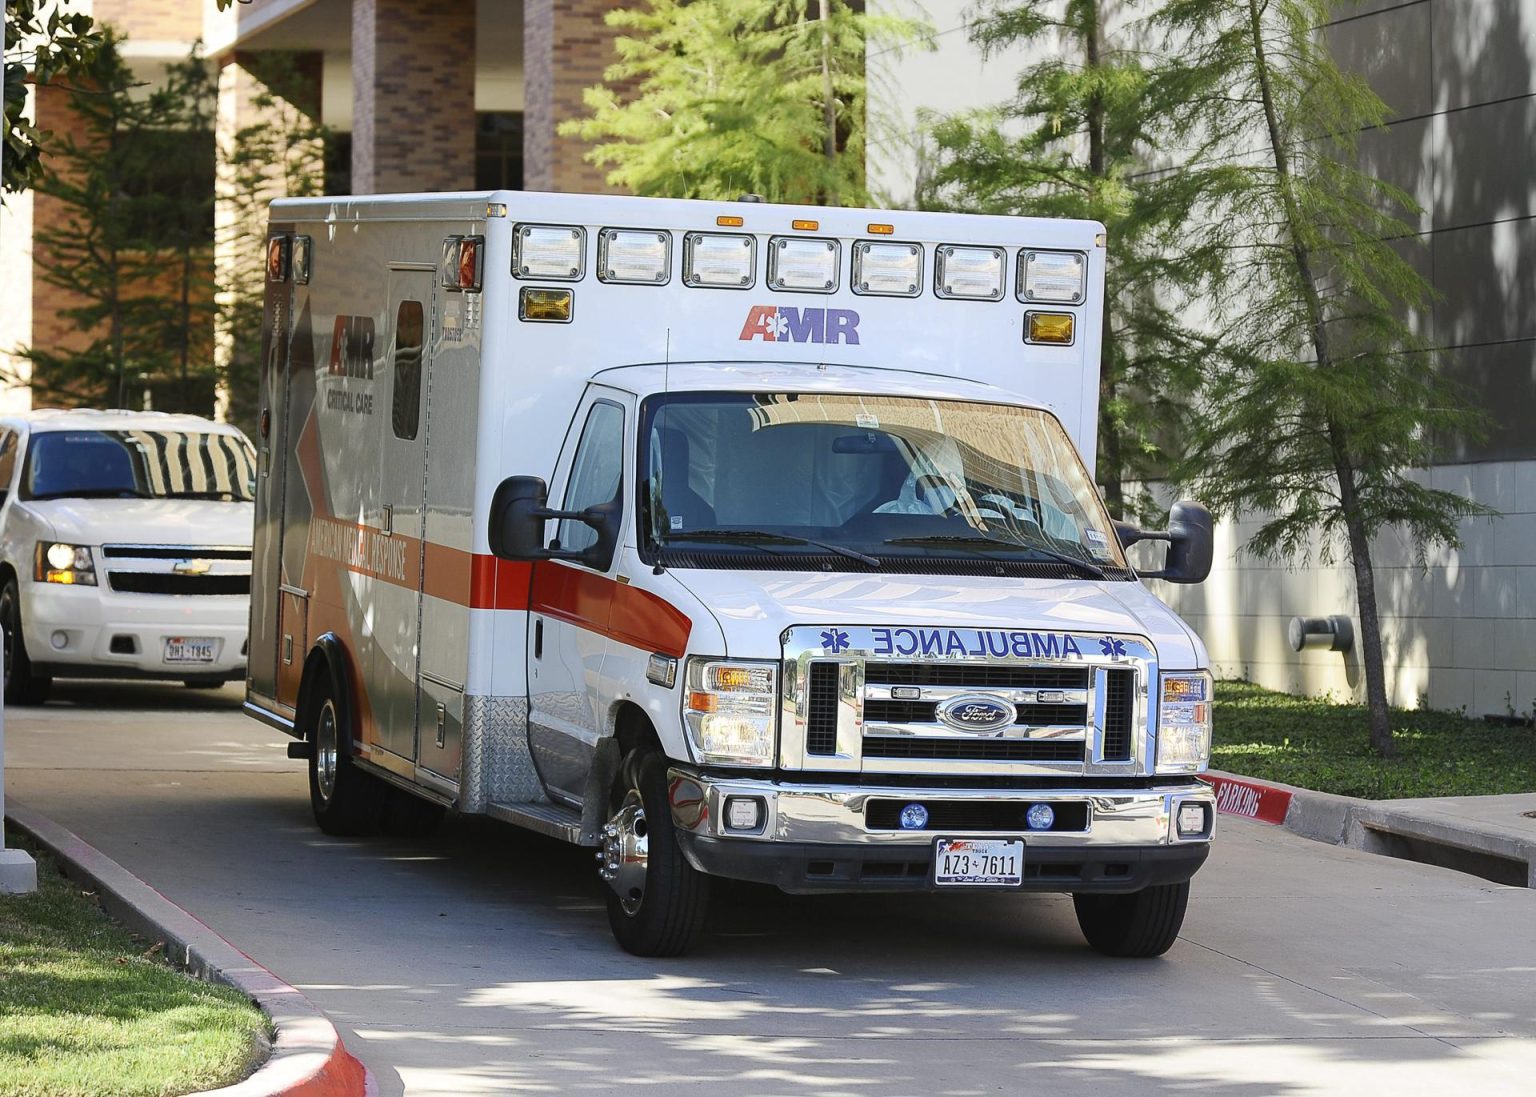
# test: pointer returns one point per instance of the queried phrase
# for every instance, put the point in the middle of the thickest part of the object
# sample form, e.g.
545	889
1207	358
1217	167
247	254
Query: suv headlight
728	708
1184	723
68	564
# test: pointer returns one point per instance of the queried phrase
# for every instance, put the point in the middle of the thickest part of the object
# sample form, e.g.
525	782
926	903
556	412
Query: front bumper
94	632
819	838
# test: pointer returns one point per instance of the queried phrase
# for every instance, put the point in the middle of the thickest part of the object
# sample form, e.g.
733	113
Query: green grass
1318	744
87	1008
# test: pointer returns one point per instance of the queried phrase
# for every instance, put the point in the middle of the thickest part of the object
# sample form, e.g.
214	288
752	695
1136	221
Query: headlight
728	708
1184	723
61	563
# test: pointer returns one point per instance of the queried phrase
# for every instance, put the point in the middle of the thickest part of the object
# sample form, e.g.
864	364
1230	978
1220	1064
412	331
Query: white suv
125	548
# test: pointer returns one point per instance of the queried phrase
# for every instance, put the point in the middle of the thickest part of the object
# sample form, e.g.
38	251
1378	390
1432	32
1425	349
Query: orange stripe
617	610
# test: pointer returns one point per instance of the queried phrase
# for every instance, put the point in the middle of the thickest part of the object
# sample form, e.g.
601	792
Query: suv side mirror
518	514
1191	543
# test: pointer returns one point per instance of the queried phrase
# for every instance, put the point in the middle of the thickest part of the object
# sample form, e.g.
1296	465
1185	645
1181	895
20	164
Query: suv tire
22	687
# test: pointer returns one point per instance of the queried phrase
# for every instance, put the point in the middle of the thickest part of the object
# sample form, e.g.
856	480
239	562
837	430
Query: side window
405	412
596	471
8	450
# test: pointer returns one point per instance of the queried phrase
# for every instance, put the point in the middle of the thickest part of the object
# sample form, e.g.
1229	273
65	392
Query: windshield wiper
761	535
94	493
1093	571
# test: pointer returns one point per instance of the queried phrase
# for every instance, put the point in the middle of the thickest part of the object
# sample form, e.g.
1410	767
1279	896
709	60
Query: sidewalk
1489	836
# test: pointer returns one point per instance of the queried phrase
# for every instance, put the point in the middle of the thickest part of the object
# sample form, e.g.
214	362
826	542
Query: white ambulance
726	539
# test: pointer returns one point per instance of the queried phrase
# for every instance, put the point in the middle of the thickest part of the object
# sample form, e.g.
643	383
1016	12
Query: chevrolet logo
191	567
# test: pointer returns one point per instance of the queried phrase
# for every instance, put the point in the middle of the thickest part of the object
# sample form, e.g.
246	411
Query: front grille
150	582
976	676
1119	713
821	709
974	815
922	712
175	552
975	750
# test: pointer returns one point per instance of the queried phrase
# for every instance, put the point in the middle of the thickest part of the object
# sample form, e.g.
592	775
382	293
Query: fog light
59	640
743	813
914	817
1191	820
1040	816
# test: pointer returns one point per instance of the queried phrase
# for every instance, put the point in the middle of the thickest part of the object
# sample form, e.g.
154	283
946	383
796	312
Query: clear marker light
914	817
1040	817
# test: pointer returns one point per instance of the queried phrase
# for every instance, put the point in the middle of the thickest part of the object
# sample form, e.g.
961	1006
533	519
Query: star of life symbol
834	640
1112	647
781	327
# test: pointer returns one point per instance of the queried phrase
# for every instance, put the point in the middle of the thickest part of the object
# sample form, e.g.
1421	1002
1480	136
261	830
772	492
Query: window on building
499	150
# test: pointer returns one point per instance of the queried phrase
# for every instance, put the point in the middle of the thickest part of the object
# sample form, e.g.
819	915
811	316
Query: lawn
87	1008
1322	745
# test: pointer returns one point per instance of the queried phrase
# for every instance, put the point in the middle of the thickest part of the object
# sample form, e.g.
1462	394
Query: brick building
419	95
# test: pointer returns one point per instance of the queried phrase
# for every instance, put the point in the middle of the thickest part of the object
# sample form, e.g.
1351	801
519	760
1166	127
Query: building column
413	87
566	47
267	134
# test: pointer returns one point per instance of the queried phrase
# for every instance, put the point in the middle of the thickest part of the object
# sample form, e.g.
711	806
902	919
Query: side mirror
1191	543
518	514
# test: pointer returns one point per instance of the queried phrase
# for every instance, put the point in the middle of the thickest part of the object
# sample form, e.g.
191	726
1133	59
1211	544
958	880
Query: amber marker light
1050	327
727	221
805	226
552	305
881	230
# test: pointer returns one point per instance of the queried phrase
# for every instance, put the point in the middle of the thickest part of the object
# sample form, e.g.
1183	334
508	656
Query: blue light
914	817
1040	817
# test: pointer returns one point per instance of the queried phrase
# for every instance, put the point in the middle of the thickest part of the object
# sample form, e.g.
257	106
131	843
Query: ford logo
977	713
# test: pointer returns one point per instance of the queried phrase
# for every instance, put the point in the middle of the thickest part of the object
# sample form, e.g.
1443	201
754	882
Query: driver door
572	605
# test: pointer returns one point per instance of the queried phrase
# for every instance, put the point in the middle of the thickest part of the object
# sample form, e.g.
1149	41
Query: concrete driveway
479	960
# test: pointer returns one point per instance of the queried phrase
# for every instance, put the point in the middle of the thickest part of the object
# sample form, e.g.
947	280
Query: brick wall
566	47
413	78
51	330
159	20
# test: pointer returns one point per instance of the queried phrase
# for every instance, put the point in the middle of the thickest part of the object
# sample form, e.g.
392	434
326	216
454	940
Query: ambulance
734	540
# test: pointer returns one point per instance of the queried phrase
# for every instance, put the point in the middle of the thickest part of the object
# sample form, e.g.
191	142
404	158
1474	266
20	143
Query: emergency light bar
719	260
303	250
278	255
1055	276
802	265
887	270
555	253
972	274
634	255
463	262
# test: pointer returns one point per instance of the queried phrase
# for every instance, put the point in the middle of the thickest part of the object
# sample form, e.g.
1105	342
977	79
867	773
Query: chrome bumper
835	814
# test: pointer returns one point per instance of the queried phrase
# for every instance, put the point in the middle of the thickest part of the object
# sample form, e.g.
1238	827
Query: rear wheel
657	902
22	687
1143	923
346	801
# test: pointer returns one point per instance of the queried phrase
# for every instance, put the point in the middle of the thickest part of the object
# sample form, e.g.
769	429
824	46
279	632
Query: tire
346	801
664	907
1141	924
22	687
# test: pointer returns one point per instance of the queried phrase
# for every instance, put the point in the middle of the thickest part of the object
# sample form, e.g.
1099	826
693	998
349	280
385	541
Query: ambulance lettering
784	324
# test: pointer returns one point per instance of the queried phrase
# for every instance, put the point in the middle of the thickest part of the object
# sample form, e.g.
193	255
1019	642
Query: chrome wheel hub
325	751
625	852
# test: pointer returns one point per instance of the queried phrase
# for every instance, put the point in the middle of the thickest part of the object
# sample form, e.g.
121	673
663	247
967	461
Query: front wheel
1143	923
22	687
657	901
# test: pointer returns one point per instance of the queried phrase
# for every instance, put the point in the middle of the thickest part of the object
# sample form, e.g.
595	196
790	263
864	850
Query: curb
308	1058
1385	827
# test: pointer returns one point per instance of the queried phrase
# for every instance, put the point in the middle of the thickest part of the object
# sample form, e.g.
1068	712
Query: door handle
388	526
538	639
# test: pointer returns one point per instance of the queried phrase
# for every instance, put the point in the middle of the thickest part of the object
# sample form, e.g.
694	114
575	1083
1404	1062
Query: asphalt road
479	960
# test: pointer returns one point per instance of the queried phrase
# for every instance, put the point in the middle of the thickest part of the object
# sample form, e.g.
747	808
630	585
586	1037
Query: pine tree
1326	397
717	98
1079	138
132	247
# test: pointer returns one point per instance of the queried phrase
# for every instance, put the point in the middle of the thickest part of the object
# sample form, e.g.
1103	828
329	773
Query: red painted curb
308	1058
1249	799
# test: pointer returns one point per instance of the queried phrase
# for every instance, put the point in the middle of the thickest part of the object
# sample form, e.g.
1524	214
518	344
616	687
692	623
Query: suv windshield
895	483
145	464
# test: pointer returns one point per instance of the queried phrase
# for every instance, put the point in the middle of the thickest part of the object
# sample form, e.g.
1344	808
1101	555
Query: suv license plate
978	862
190	649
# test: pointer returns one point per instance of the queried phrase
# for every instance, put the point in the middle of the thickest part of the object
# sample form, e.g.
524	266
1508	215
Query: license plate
190	649
978	862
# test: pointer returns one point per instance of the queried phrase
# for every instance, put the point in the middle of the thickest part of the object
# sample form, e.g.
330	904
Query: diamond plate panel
498	765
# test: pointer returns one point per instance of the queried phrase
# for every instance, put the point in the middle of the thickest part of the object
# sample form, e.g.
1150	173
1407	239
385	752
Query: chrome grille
821	709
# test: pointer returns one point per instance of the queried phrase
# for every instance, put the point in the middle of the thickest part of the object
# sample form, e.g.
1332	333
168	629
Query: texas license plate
978	862
190	649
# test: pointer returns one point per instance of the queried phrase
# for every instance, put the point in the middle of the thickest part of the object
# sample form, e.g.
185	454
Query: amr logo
782	324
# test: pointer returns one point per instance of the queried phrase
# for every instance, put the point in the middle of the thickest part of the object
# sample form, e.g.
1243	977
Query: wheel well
632	729
8	573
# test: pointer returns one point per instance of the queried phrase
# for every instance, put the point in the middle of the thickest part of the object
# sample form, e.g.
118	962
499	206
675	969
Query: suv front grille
159	582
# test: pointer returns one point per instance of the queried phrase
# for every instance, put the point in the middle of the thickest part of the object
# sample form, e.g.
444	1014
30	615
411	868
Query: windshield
143	464
895	483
